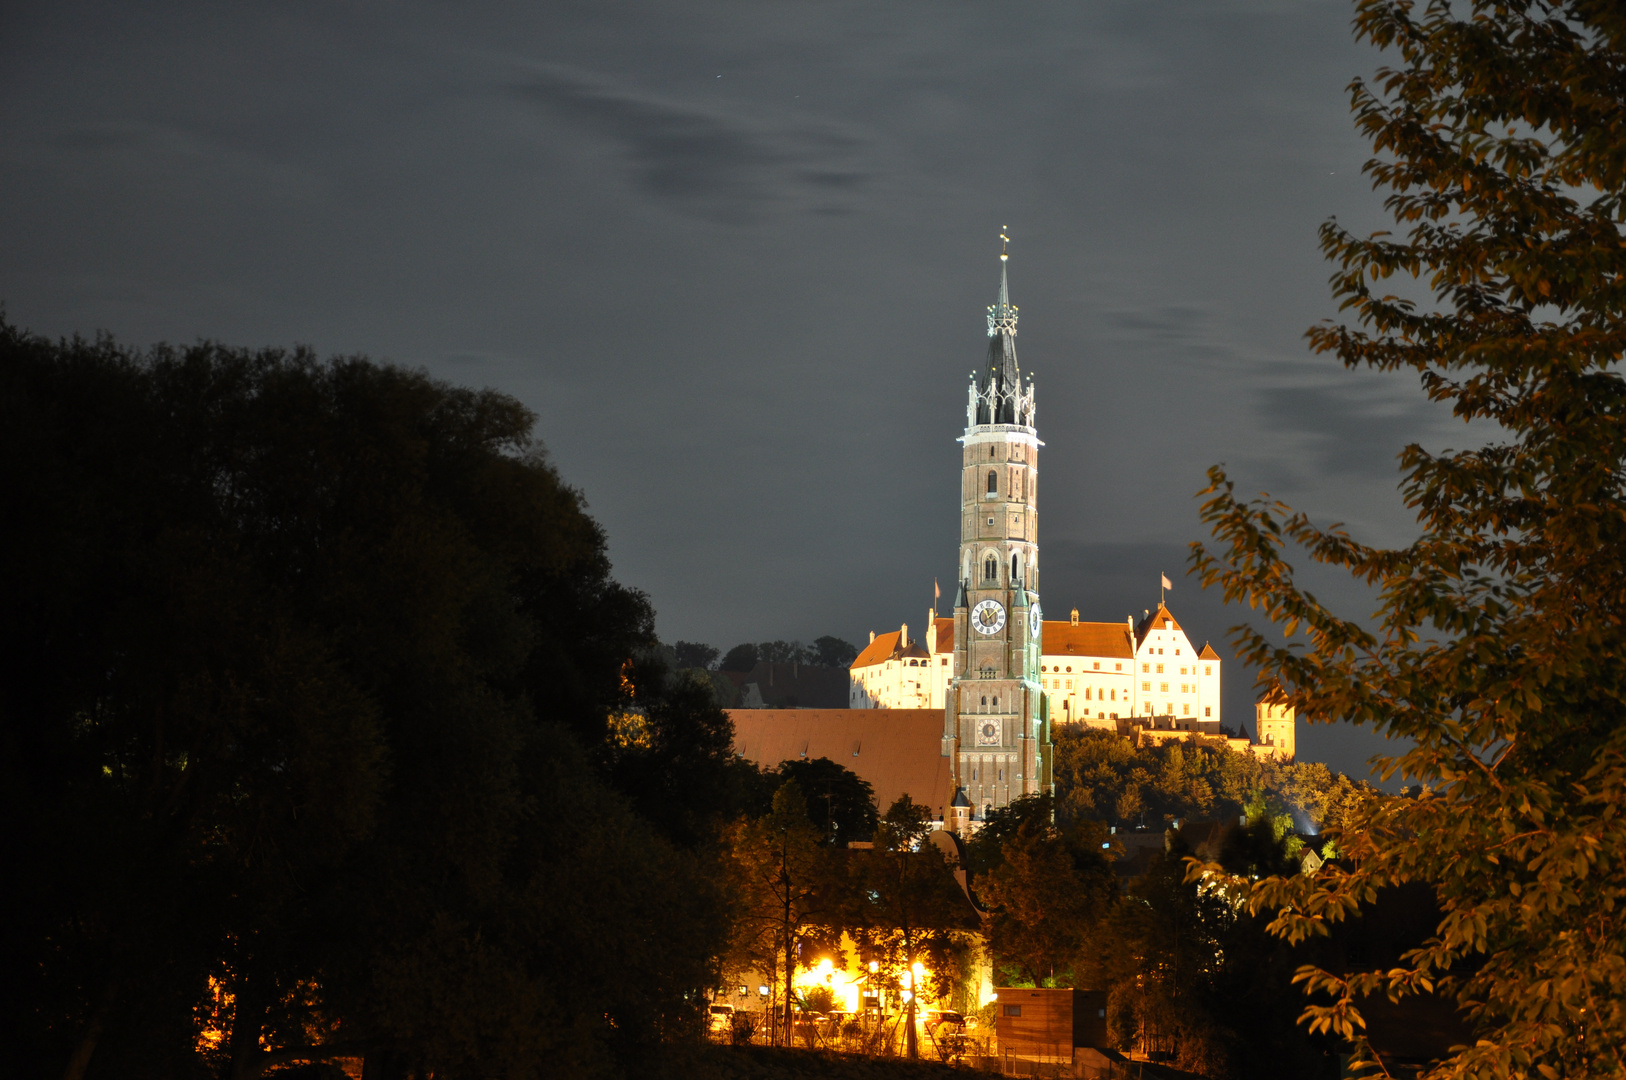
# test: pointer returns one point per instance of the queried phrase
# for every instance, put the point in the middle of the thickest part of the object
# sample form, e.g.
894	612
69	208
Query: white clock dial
988	617
1035	620
988	734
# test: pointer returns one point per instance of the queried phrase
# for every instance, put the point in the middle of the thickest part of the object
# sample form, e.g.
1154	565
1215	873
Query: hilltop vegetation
1104	777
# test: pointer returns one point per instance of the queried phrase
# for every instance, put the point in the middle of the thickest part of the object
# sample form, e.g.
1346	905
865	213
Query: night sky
736	257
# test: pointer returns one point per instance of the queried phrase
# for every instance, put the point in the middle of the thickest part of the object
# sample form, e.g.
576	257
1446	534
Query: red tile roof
1087	639
898	751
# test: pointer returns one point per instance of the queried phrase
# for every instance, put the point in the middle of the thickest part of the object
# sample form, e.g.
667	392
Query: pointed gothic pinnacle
1004	259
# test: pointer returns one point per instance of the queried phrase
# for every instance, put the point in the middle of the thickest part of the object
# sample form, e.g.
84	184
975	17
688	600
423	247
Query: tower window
1015	573
993	481
990	569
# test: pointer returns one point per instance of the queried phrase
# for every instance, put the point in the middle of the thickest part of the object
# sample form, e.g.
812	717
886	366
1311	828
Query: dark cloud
1347	432
700	161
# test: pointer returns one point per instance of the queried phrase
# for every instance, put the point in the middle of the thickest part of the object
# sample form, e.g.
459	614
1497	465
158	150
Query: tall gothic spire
1001	374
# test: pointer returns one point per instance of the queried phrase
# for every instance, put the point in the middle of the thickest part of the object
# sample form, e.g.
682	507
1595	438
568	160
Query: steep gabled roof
945	635
1086	639
1157	620
1208	653
878	651
885	647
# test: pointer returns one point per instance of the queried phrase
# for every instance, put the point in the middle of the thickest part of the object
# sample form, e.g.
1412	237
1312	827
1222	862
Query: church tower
995	729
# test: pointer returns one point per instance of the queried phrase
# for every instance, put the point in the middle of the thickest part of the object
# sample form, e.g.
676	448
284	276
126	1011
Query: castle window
1208	711
1208	669
1086	693
1115	698
1115	667
1146	688
1098	666
1146	667
993	482
1160	669
990	569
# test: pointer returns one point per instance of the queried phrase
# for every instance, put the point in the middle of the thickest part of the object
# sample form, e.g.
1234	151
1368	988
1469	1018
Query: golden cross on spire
1004	241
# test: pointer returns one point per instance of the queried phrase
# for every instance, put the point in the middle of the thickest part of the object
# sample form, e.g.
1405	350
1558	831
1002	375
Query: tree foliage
1047	897
306	678
910	909
840	803
788	891
1105	777
831	651
1501	139
695	654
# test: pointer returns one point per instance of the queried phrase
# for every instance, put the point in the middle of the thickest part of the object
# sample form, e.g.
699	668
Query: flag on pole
1165	579
937	592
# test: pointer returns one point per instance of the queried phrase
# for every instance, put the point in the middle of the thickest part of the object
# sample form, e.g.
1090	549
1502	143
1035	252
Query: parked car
722	1018
944	1020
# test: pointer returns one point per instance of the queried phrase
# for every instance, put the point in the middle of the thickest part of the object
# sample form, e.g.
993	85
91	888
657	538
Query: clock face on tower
988	734
988	617
1035	620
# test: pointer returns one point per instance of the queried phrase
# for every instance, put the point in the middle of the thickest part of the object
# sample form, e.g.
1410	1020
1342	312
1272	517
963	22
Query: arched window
1016	573
990	569
993	481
